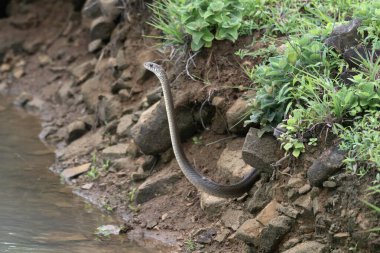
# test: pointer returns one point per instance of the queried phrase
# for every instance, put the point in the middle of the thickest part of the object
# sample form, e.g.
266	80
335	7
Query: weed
197	140
190	245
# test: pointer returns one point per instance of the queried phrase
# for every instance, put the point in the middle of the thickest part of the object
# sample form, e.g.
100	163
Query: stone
326	165
124	164
268	213
75	171
121	84
260	153
18	72
111	8
121	61
101	28
329	184
219	123
115	151
107	230
154	96
260	199
212	204
44	59
304	189
22	99
236	115
233	218
153	123
219	102
295	182
75	130
108	109
35	105
91	9
249	232
288	211
230	164
204	235
304	201
157	185
307	247
222	235
354	56
344	36
124	126
87	186
31	46
65	92
95	46
4	88
271	235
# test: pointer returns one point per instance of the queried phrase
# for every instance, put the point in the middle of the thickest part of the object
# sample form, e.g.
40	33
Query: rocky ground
102	112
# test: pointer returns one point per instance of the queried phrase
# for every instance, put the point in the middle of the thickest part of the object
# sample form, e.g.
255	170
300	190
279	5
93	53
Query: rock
290	243
108	109
222	235
159	184
75	171
151	224
354	56
101	28
260	153
111	8
236	115
89	90
307	247
95	46
329	184
268	213
154	96
231	164
44	59
304	189
204	236
107	230
288	211
124	126
121	84
153	123
87	186
212	204
31	46
75	130
35	105
121	61
116	151
47	131
18	72
124	164
219	102
260	199
249	231
326	165
65	92
219	123
233	218
85	69
124	96
344	36
149	163
295	182
304	201
4	88
91	9
271	235
22	99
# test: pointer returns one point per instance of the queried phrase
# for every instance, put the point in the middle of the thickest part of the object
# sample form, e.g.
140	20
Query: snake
199	181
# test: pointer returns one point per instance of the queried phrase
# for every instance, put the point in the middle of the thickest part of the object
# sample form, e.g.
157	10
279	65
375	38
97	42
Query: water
37	213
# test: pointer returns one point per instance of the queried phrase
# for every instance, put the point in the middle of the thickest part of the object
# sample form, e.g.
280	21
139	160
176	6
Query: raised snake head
154	67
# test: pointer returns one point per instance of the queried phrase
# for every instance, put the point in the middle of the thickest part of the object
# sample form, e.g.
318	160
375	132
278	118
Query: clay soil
174	218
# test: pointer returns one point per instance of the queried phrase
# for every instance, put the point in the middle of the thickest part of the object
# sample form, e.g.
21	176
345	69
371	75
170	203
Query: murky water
37	213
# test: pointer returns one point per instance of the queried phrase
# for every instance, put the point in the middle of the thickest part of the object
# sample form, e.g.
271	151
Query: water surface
37	213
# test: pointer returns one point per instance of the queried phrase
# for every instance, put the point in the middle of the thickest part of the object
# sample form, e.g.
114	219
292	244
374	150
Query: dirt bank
102	113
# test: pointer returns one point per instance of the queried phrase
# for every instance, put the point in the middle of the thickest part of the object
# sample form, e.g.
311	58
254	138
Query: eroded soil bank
103	113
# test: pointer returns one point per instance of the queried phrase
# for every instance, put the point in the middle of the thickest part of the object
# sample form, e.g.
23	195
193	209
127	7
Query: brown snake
200	182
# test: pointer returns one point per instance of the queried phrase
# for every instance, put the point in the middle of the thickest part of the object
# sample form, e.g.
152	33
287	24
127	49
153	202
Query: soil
175	217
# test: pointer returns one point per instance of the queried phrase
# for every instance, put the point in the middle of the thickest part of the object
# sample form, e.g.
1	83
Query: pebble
329	184
304	189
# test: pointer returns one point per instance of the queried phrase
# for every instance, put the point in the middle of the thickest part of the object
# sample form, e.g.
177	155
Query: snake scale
200	182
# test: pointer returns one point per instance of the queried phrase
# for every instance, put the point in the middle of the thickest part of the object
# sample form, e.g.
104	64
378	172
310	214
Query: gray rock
47	131
233	218
4	88
304	189
272	234
35	105
249	232
75	130
111	8
326	165
116	151
124	126
288	211
260	153
304	201
329	184
154	96
157	185
260	198
354	57
91	9
22	99
101	28
32	45
149	163
153	123
75	171
65	92
108	108
90	93
219	123
236	115
95	45
107	230
124	164
222	235
83	69
205	236
211	204
344	36
231	164
307	247
121	84
121	61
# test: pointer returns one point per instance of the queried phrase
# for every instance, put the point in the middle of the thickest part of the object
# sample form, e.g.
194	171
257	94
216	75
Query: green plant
197	140
190	245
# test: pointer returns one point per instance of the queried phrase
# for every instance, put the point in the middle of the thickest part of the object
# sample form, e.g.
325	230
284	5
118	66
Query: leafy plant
190	245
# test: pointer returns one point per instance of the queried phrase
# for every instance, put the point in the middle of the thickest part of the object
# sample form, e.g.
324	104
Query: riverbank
103	113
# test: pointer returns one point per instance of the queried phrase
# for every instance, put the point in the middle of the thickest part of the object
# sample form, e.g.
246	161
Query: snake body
200	182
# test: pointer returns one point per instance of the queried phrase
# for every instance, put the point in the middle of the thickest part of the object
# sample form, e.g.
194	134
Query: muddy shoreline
103	114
